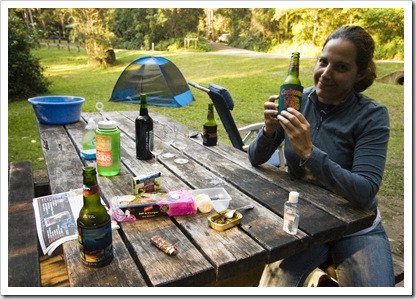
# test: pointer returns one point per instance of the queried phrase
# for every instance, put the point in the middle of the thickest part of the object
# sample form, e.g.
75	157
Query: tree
386	25
91	27
25	72
140	27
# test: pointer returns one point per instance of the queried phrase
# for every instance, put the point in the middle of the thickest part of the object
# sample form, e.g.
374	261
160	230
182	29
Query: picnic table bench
24	254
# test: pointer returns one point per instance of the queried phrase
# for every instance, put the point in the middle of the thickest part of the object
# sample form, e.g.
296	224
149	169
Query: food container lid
107	124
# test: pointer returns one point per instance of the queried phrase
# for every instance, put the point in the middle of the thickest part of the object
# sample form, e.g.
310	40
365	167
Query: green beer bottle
209	135
291	90
94	224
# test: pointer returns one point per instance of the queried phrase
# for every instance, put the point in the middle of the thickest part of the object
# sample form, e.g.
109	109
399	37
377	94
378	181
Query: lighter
164	245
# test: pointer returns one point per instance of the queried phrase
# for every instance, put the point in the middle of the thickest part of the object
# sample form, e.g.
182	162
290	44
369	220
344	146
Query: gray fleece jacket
350	148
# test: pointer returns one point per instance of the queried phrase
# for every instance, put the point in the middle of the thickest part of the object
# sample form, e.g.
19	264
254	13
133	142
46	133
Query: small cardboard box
149	182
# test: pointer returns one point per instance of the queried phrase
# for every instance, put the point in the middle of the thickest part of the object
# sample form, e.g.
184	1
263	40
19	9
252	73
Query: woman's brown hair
364	44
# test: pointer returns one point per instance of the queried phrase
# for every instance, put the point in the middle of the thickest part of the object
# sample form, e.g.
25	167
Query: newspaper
56	218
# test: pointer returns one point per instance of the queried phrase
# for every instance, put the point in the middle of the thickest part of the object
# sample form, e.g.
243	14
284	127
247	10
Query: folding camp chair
224	103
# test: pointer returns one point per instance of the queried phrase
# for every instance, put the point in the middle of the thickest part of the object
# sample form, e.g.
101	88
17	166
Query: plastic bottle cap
91	124
107	124
293	196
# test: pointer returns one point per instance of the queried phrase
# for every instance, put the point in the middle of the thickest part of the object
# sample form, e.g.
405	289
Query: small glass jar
108	148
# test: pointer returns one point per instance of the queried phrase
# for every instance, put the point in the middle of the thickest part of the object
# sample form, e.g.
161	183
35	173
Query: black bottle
144	131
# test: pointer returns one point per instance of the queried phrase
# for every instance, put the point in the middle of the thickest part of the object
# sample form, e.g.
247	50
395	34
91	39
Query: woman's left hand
297	129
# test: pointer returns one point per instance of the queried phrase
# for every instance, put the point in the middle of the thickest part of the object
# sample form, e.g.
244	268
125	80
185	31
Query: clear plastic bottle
291	214
88	140
108	148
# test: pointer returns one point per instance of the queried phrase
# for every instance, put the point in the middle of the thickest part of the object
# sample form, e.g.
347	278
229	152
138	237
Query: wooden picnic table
206	257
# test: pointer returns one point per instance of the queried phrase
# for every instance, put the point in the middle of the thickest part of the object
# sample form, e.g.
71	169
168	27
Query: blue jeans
360	261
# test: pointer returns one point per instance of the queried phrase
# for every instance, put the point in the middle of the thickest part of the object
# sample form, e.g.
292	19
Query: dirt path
219	48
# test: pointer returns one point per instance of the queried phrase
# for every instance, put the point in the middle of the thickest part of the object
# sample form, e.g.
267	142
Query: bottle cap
293	196
107	124
91	124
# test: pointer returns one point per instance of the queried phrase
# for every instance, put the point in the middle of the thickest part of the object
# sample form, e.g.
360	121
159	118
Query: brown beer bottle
209	134
291	90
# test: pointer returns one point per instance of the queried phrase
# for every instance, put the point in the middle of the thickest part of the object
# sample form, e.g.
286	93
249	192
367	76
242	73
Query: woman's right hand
270	116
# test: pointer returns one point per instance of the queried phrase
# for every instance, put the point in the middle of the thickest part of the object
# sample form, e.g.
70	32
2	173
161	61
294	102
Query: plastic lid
293	196
107	124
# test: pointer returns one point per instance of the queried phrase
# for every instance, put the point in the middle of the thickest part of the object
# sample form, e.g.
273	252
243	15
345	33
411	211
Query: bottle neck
91	195
143	105
210	114
294	66
91	191
143	110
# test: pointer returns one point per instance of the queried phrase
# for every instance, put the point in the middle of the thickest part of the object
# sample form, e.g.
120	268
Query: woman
337	140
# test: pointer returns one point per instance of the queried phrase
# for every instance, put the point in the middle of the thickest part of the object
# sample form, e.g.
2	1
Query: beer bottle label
90	190
290	96
209	135
95	244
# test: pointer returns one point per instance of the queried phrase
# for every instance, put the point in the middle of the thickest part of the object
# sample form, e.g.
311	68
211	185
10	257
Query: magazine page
56	217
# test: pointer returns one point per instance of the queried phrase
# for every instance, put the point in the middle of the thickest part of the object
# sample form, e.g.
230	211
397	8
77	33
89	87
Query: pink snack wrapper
148	205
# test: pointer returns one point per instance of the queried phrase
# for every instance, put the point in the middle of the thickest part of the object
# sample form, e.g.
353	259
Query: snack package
148	205
149	182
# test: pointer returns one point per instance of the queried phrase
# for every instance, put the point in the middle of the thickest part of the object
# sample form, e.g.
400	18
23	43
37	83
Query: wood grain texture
23	259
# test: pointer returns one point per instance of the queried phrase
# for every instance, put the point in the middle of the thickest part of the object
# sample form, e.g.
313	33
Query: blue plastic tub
57	110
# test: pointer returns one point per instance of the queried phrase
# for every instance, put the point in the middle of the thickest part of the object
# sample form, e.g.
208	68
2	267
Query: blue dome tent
158	77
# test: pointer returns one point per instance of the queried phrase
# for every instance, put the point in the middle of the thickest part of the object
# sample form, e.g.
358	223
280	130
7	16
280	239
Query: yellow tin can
218	222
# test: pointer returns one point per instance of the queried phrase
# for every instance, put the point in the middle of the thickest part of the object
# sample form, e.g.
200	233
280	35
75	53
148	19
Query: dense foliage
259	29
138	28
268	29
25	72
